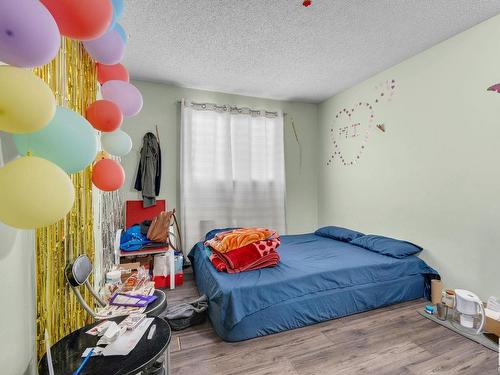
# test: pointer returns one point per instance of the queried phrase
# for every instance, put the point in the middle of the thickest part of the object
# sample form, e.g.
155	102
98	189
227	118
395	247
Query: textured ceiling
282	50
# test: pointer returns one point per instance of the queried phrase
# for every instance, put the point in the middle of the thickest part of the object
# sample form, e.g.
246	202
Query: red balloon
104	115
81	19
108	175
115	72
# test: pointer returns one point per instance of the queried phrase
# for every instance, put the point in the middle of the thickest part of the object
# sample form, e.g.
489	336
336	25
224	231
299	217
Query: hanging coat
149	172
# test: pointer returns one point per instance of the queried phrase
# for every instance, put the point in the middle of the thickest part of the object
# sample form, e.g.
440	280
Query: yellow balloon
26	103
34	193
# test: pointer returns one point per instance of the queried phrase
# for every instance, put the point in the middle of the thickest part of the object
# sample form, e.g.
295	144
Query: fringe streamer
72	78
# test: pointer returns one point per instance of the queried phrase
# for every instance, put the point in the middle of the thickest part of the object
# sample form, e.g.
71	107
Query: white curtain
232	169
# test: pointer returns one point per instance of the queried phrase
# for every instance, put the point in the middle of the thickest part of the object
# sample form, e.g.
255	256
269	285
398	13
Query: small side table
67	353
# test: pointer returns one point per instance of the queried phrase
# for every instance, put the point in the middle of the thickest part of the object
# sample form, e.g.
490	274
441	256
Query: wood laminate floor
390	340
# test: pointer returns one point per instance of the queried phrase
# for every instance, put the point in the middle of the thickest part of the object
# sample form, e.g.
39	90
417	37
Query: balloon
108	175
117	8
107	49
117	143
122	32
115	72
117	11
81	20
28	33
125	95
34	193
104	115
26	103
68	141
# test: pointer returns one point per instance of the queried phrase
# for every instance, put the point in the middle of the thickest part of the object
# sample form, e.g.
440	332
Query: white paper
127	342
99	329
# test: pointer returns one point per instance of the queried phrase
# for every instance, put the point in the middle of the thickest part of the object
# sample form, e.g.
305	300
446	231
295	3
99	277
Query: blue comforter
309	264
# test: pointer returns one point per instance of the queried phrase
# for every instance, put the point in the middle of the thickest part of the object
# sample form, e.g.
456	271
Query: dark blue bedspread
309	264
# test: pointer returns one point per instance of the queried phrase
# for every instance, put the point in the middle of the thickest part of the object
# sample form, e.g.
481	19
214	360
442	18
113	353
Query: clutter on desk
127	269
99	329
132	321
118	339
127	341
131	300
114	277
137	284
112	332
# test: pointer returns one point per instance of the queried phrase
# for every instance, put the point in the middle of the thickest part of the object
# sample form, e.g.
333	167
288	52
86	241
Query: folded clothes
250	257
224	242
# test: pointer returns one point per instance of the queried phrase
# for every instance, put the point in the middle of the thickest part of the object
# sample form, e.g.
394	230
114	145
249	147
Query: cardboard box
127	269
492	326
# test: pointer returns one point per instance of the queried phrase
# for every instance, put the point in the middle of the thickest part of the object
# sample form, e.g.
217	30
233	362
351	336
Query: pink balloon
125	95
107	49
29	36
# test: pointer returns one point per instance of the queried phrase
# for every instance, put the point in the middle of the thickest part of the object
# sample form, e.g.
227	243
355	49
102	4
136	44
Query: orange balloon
108	175
115	72
81	19
104	115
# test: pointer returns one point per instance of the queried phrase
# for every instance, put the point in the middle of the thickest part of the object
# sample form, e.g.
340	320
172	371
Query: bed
317	279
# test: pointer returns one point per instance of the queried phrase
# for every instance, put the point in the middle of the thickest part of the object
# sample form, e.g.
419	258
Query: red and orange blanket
244	249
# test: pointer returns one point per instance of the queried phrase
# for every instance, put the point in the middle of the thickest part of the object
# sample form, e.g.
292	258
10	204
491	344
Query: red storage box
162	282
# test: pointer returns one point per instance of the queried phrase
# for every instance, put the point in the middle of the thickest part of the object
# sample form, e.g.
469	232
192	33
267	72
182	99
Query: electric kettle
469	312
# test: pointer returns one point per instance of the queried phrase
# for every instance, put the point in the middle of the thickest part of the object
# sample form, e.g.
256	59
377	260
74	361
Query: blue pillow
338	233
387	246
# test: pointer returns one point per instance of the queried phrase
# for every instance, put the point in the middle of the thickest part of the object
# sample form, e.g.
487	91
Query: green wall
161	108
433	176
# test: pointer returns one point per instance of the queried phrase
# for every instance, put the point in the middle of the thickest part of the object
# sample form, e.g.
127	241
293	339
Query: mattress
317	279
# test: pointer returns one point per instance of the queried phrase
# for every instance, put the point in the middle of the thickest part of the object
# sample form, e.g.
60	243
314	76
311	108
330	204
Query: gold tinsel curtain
72	78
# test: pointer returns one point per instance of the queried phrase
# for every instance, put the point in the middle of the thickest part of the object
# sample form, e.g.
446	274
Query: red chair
135	213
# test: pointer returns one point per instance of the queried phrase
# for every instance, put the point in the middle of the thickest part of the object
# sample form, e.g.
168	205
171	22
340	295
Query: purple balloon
29	36
108	49
125	95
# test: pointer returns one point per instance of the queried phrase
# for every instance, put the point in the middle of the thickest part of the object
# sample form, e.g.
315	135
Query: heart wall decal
352	127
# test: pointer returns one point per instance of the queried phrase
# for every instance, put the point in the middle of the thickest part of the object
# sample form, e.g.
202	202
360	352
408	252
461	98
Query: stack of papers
118	340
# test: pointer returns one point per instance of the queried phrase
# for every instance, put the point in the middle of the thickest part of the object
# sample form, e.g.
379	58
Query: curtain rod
234	108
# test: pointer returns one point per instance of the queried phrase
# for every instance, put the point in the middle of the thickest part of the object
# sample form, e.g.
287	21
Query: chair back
135	213
78	272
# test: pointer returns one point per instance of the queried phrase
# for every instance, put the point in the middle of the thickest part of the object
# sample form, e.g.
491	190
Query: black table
67	353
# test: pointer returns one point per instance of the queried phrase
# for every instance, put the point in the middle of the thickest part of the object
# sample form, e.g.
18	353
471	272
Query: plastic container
162	282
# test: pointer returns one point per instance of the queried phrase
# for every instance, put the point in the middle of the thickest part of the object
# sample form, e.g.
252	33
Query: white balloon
116	143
